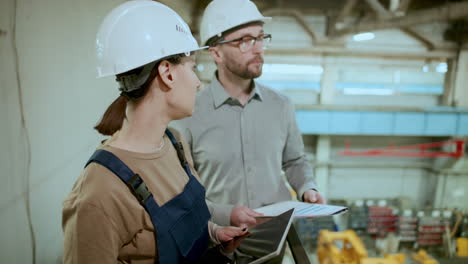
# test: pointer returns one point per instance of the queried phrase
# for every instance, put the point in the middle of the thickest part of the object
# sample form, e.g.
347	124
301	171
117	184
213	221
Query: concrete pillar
439	195
460	88
322	158
329	78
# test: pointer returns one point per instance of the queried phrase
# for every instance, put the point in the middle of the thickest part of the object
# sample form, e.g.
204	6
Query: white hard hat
138	32
221	15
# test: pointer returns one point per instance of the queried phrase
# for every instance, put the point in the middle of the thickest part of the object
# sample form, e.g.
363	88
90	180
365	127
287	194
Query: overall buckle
141	190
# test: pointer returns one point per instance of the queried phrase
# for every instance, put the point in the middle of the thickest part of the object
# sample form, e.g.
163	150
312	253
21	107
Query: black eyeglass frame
241	39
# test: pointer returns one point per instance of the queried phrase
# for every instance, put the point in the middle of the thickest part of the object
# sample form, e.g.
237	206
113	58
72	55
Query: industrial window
412	78
292	77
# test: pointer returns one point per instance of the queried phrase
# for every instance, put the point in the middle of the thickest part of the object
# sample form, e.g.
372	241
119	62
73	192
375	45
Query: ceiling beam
334	23
346	10
447	12
383	13
394	4
417	36
346	52
195	14
296	15
403	7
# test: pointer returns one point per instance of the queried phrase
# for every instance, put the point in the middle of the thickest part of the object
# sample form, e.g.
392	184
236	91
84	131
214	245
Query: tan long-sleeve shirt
241	151
102	220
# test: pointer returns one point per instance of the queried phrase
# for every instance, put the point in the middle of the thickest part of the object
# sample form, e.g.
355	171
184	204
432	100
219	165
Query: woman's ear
165	72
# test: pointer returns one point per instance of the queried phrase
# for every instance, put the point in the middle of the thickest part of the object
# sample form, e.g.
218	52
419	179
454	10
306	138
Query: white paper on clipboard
302	209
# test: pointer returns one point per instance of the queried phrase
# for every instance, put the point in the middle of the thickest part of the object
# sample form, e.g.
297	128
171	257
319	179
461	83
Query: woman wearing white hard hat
139	200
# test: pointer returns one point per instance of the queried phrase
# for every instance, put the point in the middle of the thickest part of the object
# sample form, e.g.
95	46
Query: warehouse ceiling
345	17
358	5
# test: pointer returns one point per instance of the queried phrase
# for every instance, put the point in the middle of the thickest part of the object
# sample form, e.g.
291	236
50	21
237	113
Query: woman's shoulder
96	186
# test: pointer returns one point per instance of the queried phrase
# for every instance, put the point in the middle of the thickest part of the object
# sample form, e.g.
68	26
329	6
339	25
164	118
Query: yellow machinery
350	251
462	241
423	258
462	247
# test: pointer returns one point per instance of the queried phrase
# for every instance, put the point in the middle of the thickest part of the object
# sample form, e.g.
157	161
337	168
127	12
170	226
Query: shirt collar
220	96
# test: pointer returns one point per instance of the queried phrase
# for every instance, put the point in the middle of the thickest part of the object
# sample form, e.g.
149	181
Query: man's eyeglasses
246	43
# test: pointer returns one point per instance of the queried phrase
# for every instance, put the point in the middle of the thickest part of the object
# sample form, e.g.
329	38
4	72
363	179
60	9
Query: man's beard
243	71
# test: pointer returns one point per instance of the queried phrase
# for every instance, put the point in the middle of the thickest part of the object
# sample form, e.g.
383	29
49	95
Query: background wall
50	100
48	80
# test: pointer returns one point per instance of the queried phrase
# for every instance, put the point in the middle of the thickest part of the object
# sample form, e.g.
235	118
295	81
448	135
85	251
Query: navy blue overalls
181	224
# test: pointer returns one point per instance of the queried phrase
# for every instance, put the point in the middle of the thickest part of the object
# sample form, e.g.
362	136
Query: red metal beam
418	150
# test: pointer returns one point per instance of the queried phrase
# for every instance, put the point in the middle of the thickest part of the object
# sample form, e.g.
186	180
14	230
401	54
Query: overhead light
292	69
425	68
364	36
442	67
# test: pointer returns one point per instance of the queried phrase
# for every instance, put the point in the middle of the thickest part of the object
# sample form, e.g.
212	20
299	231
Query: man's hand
231	237
312	196
242	216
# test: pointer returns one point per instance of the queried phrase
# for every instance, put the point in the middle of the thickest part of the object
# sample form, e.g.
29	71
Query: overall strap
131	179
180	152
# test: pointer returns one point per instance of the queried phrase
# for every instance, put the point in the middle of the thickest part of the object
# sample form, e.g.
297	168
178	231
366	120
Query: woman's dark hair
114	116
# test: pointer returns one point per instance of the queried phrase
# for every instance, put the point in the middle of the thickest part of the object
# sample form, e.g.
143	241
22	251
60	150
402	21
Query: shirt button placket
245	155
248	159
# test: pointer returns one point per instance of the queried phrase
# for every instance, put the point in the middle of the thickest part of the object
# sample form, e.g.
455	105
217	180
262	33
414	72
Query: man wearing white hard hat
243	135
138	199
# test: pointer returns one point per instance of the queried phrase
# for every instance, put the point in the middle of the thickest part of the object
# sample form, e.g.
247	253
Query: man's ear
216	54
165	72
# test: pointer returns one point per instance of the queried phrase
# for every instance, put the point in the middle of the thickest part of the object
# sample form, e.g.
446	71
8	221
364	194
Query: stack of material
408	227
382	220
358	216
430	229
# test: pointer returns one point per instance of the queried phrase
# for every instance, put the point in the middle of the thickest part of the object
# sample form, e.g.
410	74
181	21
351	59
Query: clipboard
302	209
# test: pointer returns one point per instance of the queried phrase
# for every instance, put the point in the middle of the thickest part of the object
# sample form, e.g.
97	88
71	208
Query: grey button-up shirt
240	151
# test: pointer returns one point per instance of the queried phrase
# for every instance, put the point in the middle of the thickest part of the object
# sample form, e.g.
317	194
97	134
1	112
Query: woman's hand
231	237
